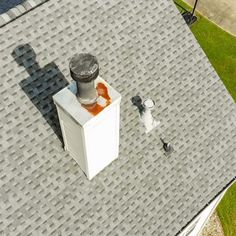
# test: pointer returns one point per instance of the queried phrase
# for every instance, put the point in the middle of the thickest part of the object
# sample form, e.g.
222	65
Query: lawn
227	211
220	48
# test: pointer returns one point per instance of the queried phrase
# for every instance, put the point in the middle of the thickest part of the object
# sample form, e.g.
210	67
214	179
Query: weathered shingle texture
145	48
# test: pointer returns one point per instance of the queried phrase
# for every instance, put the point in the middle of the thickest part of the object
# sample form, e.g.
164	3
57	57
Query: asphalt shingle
145	48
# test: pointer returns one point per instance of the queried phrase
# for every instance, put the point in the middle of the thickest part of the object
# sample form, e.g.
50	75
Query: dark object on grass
189	18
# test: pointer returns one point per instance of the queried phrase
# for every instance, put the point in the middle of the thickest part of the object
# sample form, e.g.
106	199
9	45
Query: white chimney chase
90	131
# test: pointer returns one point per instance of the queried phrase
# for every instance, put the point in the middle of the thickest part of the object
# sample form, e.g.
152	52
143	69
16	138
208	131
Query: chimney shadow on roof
41	84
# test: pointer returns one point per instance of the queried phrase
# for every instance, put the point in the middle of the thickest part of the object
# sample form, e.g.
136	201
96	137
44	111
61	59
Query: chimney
89	116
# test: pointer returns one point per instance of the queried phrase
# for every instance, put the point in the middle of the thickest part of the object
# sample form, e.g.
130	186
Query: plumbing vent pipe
84	69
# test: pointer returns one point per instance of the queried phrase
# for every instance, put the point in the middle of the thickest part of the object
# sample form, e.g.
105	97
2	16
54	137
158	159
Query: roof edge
221	191
19	10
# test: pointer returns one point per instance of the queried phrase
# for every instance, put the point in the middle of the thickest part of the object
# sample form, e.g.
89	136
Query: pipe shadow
41	84
137	101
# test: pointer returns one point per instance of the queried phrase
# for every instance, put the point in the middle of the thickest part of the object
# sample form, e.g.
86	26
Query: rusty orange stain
102	91
95	108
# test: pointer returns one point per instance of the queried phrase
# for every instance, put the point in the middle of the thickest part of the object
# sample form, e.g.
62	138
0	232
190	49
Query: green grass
227	211
220	48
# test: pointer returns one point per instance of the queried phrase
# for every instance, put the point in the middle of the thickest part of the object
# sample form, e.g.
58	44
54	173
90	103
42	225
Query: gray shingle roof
143	47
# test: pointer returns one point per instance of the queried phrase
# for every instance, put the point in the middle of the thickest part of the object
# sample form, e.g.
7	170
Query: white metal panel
73	137
101	142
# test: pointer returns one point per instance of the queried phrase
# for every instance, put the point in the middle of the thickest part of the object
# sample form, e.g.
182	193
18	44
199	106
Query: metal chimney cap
84	67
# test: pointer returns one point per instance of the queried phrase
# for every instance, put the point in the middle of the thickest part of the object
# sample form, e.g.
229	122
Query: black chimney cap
84	67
